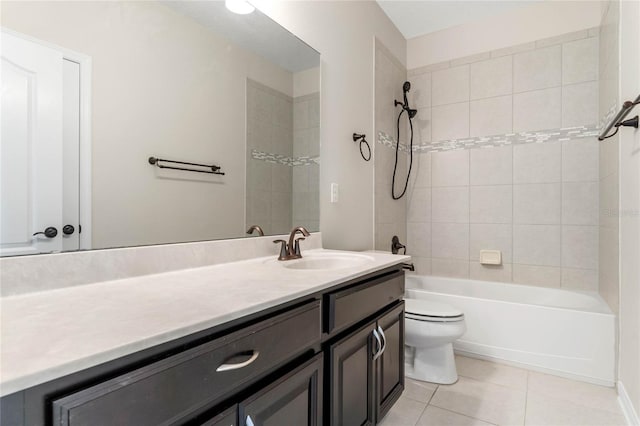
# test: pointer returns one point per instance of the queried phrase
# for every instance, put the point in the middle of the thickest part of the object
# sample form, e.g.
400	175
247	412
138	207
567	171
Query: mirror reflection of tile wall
306	170
283	142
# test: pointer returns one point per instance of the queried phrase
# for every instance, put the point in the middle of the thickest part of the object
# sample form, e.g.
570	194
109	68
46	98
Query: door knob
68	229
50	232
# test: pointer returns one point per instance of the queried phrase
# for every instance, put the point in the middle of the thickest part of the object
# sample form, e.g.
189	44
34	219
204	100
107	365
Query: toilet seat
428	311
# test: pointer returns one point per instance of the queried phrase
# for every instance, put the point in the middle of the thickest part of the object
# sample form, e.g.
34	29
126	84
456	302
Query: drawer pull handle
378	350
384	340
228	367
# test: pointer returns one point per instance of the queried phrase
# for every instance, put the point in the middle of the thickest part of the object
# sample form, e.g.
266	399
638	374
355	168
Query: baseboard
627	407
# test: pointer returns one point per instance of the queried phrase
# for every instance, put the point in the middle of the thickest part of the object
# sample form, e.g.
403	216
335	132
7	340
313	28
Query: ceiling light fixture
241	7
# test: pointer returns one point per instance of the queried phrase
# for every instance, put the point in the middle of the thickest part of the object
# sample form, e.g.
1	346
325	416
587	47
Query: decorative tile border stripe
283	159
390	142
542	136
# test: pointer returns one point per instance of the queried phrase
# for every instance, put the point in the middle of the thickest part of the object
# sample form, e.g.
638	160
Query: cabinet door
295	399
351	377
226	418
390	365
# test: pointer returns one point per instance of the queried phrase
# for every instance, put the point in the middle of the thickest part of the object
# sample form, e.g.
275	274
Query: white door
30	147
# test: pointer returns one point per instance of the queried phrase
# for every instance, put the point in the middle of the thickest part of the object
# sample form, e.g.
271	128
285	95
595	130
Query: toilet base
435	365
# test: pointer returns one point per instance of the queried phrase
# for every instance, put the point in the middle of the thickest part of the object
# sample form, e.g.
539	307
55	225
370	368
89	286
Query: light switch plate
334	193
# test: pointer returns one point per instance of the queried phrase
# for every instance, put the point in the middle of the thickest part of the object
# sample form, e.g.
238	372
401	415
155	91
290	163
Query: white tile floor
488	393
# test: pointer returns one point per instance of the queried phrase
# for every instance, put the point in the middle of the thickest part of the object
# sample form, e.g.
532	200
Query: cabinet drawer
169	391
349	306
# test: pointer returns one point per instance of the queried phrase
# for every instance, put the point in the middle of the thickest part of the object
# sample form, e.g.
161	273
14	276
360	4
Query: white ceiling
419	17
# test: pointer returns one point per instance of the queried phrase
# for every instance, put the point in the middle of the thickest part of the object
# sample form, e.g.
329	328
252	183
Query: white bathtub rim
607	314
537	368
603	308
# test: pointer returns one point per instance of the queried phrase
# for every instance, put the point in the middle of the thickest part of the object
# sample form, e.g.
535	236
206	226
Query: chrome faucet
291	250
256	228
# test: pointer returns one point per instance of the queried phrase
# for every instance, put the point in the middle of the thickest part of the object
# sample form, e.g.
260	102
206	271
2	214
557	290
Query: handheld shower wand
405	105
411	113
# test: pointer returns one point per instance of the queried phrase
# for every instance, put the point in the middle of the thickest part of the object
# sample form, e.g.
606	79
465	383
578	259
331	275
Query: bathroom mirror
106	103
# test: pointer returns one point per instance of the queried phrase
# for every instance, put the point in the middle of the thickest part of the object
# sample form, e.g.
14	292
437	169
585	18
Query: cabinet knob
68	229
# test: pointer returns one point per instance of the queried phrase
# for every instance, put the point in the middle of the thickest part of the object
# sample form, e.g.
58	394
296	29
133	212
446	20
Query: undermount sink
328	261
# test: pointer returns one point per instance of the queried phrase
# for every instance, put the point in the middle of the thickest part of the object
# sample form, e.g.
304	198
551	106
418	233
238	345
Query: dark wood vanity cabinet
366	362
333	358
367	370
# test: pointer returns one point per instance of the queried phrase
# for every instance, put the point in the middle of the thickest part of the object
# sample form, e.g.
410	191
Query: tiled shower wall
390	215
269	184
306	144
609	149
536	202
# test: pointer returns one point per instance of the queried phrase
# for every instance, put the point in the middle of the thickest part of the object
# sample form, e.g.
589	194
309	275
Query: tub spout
408	266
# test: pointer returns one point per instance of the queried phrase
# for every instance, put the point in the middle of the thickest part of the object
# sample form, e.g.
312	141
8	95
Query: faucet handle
296	247
284	252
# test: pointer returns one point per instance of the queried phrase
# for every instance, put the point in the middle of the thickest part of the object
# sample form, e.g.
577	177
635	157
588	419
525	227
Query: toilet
430	330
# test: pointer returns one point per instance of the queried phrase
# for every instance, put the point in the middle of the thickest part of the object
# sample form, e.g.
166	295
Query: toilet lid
427	308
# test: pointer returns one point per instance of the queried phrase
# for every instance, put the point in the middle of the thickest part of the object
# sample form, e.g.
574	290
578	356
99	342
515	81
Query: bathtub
566	333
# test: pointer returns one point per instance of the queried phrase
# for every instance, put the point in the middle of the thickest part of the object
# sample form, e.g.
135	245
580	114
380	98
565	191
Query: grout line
421	414
464	415
526	398
562	224
513	222
433	394
468	223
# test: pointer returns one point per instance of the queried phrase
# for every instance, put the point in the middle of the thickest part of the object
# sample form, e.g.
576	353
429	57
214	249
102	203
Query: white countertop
50	334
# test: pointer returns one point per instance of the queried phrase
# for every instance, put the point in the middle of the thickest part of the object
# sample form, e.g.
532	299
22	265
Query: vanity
307	345
193	124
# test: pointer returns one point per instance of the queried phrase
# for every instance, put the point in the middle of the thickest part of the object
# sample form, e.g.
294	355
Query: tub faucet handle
396	245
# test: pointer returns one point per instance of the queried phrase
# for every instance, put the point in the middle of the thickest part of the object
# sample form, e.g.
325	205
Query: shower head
412	112
406	87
